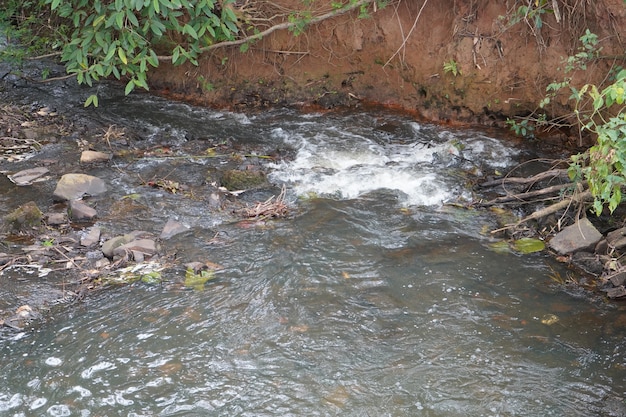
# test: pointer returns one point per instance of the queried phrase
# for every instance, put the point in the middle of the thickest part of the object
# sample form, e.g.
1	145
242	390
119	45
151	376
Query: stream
373	298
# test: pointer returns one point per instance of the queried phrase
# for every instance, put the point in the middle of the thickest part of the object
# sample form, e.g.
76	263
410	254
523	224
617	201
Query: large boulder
580	236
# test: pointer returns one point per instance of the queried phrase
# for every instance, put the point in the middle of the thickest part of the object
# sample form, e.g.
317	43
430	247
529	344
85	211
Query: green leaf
190	31
122	55
119	20
92	100
130	86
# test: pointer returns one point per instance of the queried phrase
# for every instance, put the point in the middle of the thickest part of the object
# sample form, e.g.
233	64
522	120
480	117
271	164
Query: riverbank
477	62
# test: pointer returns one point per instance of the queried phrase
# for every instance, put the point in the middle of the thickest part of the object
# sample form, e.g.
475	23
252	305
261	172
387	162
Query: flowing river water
372	299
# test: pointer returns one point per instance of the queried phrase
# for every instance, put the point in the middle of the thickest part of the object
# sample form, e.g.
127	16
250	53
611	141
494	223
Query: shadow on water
373	299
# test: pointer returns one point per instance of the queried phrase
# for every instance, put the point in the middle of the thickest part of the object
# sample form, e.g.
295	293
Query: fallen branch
550	174
576	198
269	208
524	197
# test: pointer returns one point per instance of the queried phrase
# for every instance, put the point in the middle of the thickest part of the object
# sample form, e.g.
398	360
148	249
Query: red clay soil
396	58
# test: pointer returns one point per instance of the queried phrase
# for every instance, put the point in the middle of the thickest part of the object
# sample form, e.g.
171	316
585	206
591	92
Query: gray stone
617	238
140	248
110	245
588	262
81	211
91	237
578	237
56	219
172	228
87	157
28	176
616	292
76	186
618	279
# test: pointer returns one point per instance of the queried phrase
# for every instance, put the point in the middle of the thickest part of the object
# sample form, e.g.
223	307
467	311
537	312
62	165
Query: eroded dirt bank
397	55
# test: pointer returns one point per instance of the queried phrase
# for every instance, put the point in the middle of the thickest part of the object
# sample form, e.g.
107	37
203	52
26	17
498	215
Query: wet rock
80	211
140	249
618	279
87	157
589	262
172	228
578	237
22	317
76	186
110	245
617	292
26	216
56	219
617	238
90	237
29	176
235	179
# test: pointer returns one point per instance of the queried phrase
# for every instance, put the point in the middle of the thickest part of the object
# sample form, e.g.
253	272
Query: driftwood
550	174
524	197
272	207
576	198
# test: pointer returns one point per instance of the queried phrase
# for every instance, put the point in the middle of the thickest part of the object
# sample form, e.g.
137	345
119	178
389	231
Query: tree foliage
120	38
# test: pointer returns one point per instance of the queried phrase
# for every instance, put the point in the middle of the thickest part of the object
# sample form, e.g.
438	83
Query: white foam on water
339	164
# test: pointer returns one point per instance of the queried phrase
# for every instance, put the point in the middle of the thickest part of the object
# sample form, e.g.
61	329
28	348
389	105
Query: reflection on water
364	304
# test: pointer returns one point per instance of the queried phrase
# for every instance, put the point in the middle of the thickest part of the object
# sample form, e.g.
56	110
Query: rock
22	317
110	245
80	211
91	237
172	228
56	219
28	176
140	249
616	292
87	157
25	216
75	186
578	237
618	279
235	179
617	238
588	262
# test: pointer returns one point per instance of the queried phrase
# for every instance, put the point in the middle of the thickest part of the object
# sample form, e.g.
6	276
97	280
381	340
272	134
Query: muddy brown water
372	299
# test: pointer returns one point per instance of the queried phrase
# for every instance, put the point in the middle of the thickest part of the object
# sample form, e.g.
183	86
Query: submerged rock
25	216
109	247
575	238
76	186
139	248
236	179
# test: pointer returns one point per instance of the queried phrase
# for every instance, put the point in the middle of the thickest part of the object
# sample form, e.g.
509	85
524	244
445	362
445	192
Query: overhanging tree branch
281	26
